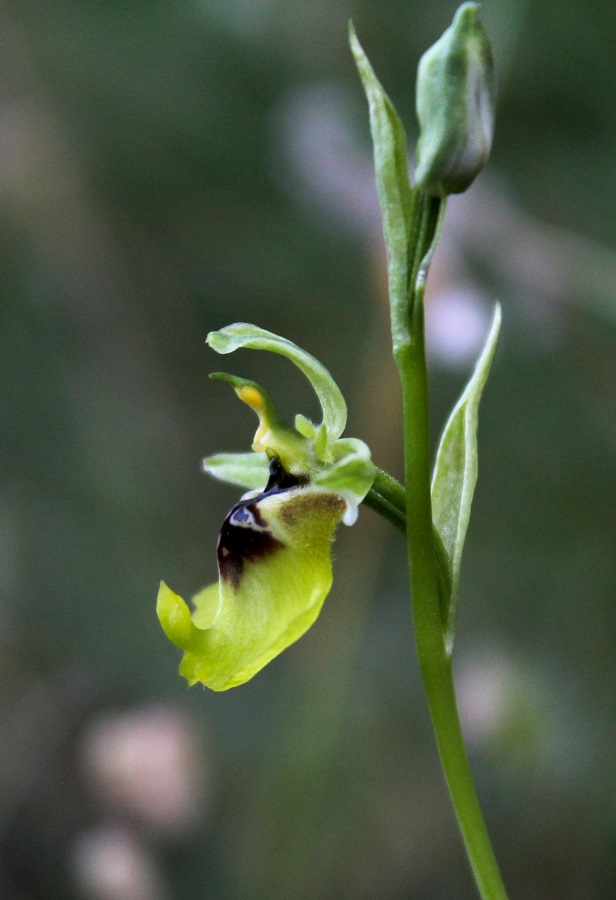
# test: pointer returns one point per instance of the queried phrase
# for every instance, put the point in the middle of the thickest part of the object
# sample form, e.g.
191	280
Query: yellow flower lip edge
239	624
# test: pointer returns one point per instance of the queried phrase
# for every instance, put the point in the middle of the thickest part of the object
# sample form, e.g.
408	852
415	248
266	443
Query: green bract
455	475
274	560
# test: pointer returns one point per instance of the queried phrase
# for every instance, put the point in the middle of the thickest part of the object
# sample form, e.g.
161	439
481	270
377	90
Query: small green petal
350	475
322	445
241	334
304	426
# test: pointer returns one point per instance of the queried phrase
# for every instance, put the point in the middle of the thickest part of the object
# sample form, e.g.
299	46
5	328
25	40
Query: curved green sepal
241	334
269	601
455	473
247	470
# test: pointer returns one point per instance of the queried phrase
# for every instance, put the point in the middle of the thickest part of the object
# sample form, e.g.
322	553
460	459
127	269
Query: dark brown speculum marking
245	536
281	480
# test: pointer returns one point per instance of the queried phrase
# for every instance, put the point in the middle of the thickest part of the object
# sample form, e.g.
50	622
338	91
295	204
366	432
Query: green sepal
238	626
247	470
241	334
455	475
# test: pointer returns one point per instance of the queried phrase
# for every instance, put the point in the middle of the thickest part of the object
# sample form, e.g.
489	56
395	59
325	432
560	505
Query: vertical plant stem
434	660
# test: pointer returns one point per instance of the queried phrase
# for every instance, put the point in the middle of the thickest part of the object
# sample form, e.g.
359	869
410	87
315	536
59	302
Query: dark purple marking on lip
244	535
281	480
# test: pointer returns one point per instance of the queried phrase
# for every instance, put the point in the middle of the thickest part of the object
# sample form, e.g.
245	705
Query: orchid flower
274	548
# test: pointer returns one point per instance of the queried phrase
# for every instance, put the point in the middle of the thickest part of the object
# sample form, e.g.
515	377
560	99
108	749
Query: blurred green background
169	168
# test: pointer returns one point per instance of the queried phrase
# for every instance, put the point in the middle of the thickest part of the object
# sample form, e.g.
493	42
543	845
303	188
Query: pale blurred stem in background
435	661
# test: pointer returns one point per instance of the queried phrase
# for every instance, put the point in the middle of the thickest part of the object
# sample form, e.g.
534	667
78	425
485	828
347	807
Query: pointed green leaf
392	180
241	334
455	471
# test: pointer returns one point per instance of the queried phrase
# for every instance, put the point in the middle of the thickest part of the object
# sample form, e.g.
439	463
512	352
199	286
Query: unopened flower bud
455	106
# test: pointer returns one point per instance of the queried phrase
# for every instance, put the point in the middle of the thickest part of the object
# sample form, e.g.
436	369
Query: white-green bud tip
455	106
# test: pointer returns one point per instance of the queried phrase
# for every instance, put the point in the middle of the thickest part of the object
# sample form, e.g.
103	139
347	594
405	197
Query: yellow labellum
275	572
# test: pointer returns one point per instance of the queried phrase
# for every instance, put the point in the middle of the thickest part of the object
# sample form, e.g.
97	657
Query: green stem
434	660
387	497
